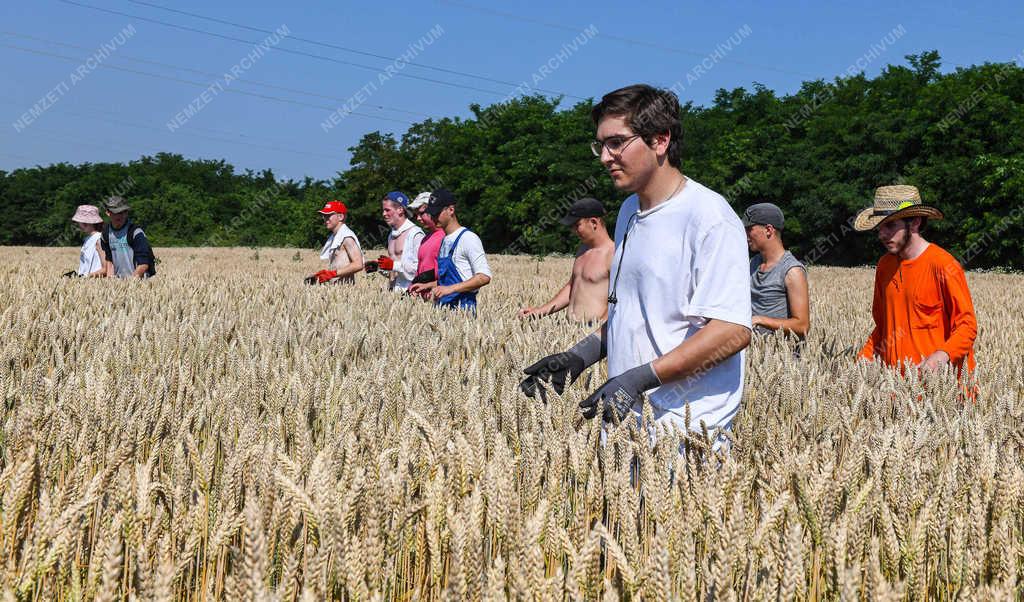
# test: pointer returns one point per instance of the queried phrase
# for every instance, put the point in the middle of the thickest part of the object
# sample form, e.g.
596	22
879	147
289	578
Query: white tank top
89	256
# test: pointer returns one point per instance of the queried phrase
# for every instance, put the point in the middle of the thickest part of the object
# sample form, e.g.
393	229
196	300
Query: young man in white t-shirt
679	297
462	267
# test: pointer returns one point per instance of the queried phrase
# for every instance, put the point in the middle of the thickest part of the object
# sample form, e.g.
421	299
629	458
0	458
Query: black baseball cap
585	207
763	214
439	199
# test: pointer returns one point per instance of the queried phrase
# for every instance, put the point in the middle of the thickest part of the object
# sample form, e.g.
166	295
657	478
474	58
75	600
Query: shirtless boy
342	252
586	293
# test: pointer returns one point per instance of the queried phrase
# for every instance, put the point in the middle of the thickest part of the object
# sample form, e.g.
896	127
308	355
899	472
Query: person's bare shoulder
595	263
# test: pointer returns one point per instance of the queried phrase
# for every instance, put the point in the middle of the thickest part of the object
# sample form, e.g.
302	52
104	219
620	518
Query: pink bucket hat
87	214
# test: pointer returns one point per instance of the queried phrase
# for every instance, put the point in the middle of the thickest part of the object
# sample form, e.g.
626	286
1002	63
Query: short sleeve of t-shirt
469	257
721	278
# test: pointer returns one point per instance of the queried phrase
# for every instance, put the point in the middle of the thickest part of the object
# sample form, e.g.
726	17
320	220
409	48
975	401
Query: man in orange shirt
922	308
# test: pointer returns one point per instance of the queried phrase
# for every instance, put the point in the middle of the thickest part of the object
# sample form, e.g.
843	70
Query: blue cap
398	196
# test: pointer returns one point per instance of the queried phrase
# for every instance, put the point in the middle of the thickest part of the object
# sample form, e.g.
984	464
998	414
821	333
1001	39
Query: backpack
132	232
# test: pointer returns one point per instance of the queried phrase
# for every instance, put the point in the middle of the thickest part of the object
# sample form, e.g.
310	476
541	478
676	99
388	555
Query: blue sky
84	85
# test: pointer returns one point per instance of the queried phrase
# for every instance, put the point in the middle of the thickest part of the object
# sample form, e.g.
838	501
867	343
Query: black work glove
616	397
560	369
427	276
71	274
371	266
563	369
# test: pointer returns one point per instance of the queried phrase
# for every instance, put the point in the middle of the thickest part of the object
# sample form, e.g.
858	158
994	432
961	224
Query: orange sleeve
963	323
868	351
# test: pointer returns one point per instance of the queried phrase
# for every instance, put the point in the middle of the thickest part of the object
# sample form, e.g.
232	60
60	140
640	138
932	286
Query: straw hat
894	202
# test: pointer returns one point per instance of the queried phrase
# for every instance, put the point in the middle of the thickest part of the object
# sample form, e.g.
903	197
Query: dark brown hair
648	111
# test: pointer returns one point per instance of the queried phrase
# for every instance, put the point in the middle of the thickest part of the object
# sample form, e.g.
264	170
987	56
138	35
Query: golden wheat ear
223	433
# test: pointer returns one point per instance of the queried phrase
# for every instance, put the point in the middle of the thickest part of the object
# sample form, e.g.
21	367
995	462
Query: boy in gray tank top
778	293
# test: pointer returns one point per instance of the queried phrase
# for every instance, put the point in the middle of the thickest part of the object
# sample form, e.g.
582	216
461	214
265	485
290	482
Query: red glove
385	262
324	275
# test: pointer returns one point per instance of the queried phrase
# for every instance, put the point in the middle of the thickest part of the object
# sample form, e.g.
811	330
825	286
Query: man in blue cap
403	240
462	268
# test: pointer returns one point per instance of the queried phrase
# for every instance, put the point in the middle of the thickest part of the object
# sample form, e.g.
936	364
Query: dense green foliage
515	166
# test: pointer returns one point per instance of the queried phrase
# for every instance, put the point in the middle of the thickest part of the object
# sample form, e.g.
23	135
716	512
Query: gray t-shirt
768	289
121	252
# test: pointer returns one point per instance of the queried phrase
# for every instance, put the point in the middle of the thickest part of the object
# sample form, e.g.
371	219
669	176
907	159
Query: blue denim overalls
448	275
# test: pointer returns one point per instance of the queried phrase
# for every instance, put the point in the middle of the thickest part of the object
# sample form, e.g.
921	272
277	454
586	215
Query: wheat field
225	432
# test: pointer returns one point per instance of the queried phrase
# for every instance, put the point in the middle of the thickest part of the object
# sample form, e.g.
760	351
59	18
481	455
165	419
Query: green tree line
514	166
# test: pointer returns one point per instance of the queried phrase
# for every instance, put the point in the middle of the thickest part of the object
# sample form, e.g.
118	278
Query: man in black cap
462	267
778	281
586	292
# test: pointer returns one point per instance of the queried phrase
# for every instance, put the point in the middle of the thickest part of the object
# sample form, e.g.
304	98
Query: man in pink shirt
426	272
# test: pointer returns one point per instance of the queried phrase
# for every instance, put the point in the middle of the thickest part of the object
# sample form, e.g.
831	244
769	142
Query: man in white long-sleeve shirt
403	240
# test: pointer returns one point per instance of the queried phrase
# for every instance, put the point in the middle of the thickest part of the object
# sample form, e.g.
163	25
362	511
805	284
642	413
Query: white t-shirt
685	263
469	257
89	255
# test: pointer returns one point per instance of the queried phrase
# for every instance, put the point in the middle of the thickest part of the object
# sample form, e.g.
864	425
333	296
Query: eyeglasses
615	144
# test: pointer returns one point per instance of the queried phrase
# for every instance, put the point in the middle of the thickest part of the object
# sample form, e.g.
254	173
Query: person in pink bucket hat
90	257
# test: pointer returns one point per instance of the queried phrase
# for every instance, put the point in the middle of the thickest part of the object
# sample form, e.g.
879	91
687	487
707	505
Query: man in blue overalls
462	267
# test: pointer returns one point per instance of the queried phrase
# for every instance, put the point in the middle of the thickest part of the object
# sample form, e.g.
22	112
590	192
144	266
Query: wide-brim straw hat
894	202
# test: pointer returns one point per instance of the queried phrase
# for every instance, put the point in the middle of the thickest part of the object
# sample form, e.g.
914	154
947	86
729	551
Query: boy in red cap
342	252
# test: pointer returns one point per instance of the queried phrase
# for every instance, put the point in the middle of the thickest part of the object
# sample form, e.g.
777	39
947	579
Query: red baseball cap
334	207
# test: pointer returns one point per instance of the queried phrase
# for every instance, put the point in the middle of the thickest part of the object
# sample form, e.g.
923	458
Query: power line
64	138
280	49
96	111
622	39
918	22
252	82
16	156
347	49
201	84
188	134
